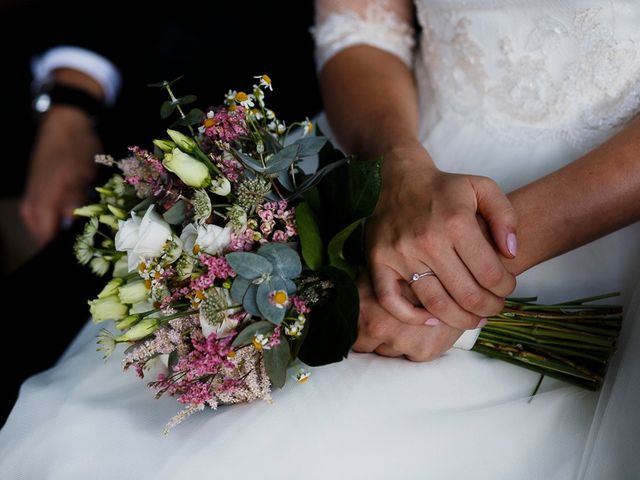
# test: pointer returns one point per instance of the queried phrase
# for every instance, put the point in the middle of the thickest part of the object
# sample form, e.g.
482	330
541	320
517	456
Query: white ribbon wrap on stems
468	339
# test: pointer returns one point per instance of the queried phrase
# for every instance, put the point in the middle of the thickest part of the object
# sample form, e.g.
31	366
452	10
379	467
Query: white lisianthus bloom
142	307
213	239
191	171
111	288
142	238
188	238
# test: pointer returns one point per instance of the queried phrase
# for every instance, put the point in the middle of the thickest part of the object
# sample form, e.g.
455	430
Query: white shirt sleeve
96	66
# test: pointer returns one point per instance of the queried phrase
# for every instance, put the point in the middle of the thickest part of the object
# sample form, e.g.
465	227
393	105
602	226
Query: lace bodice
526	69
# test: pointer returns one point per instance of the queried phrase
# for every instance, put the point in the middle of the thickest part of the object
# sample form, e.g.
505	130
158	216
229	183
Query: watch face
42	103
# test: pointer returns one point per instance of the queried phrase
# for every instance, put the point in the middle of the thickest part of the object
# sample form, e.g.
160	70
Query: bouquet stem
571	341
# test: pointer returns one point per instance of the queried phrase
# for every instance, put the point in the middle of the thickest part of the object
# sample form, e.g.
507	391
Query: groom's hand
382	333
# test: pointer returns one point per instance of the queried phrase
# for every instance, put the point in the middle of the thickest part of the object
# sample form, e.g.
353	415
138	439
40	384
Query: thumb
497	211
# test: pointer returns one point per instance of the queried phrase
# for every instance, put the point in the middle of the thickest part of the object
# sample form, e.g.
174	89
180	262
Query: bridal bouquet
220	270
230	261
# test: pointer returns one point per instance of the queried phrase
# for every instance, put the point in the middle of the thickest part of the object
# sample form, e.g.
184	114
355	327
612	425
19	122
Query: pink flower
279	236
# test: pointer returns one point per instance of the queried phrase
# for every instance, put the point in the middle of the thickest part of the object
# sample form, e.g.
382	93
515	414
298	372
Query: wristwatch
57	94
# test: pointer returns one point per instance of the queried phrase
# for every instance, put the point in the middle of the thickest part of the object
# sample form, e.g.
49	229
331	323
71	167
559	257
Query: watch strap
66	95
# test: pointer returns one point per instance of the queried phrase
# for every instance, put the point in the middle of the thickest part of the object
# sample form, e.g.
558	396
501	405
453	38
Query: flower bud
107	308
121	267
109	220
191	171
118	212
133	292
184	143
111	288
165	145
89	210
142	329
221	186
127	322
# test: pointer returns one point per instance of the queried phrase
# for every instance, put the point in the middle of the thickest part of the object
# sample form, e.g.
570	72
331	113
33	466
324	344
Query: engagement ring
417	276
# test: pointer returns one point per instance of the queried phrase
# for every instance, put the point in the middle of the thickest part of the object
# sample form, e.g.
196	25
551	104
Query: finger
386	351
461	286
40	222
437	300
497	210
421	343
387	284
481	259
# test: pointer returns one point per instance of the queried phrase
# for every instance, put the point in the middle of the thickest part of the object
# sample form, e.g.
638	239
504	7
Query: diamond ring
417	276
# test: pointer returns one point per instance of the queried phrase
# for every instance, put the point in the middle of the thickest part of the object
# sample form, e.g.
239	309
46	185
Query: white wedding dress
510	89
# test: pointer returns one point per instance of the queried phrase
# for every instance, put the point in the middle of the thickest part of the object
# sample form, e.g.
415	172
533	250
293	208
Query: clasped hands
460	227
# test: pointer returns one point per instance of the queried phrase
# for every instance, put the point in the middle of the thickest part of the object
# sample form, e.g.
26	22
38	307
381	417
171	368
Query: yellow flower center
231	354
266	79
142	266
209	122
147	283
280	297
257	344
196	249
232	108
241	97
200	294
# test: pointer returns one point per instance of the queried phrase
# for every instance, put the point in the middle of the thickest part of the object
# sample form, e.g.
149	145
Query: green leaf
167	108
249	301
283	159
239	289
335	249
284	259
187	99
310	145
177	213
249	265
164	83
143	205
245	337
314	179
333	325
310	236
250	162
276	361
191	118
364	186
267	309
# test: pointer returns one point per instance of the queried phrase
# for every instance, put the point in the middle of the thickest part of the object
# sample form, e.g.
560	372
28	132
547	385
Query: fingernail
482	323
432	322
512	244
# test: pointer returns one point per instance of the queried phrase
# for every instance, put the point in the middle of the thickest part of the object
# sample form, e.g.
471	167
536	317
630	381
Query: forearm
371	101
589	198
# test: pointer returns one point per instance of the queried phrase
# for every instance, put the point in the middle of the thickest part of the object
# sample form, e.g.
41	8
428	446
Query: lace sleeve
385	24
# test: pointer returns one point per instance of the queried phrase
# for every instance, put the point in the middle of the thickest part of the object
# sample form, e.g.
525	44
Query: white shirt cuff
468	339
96	66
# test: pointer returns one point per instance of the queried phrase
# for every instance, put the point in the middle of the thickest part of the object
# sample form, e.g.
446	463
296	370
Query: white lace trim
376	26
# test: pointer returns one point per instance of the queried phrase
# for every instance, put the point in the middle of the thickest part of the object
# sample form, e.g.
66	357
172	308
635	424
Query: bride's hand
380	332
426	220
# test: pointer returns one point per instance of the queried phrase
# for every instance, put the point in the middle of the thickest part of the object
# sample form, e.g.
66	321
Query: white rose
153	234
188	237
213	239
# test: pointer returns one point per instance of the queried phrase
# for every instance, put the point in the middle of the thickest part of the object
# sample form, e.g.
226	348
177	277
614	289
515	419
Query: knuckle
377	328
473	301
423	355
492	277
456	223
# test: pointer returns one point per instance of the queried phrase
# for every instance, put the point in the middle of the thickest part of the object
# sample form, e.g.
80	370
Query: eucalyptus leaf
285	180
167	108
283	159
268	310
310	236
187	99
143	205
333	325
310	145
271	144
165	83
173	360
194	116
291	286
249	301
246	335
239	288
276	361
177	213
249	265
250	162
314	179
335	249
284	259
